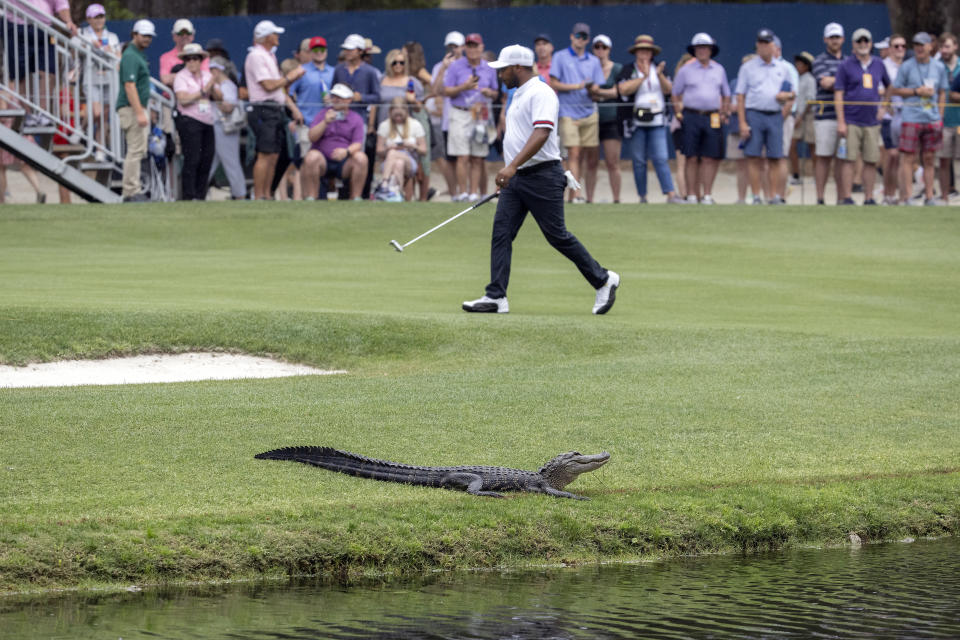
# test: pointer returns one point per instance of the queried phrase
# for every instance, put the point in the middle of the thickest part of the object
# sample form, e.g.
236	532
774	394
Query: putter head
396	245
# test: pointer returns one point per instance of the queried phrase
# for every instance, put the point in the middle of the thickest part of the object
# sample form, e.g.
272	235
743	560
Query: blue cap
543	36
922	38
765	35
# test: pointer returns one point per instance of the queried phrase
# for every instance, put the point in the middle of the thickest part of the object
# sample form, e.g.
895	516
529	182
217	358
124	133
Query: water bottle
410	85
842	149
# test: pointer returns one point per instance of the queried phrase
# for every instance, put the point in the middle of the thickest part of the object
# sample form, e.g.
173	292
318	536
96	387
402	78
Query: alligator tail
352	464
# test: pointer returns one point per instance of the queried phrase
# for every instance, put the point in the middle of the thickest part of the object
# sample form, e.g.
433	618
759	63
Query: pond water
891	590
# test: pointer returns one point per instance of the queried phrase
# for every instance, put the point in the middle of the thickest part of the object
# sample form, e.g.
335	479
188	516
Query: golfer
533	181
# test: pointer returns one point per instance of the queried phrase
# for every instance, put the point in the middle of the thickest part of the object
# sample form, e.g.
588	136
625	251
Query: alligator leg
561	494
469	482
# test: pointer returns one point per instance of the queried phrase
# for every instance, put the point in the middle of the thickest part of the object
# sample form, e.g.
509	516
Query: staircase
47	116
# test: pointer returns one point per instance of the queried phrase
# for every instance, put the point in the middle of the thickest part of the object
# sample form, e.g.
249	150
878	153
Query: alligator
477	480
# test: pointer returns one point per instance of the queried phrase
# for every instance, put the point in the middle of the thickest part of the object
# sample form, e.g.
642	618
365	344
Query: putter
400	247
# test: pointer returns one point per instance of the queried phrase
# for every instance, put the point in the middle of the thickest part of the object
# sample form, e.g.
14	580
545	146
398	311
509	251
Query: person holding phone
337	146
576	74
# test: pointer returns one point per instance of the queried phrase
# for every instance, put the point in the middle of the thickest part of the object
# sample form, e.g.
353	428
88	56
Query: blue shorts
700	140
766	132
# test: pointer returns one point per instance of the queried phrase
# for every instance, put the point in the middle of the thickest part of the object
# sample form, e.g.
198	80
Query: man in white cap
132	106
532	180
825	121
337	142
183	34
267	92
453	43
364	79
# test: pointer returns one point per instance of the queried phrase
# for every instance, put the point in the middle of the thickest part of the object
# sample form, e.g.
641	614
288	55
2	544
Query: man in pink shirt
267	92
183	34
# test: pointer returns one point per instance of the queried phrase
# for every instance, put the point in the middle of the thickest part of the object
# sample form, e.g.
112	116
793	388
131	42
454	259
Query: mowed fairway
768	376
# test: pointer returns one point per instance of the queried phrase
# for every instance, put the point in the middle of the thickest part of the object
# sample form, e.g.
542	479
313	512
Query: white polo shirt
534	106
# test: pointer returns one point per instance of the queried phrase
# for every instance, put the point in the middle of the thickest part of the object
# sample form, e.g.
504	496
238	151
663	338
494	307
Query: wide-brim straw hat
192	49
643	41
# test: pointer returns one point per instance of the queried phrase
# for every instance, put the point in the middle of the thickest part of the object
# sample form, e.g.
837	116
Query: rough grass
768	377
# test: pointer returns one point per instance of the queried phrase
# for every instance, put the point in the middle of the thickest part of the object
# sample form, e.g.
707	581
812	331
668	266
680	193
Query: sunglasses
192	58
862	40
97	17
898	46
600	45
399	62
184	33
582	35
318	49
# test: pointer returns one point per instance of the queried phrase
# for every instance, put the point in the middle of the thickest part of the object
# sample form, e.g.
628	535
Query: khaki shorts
825	132
951	144
803	130
460	135
788	126
584	132
863	141
734	152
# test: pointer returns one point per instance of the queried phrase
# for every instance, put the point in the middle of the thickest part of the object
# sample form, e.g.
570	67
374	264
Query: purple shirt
850	79
701	88
458	72
339	134
569	68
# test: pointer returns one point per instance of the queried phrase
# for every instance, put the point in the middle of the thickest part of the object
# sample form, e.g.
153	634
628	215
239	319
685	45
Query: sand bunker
184	367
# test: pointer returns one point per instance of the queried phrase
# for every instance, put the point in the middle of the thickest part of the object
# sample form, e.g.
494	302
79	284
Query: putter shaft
476	204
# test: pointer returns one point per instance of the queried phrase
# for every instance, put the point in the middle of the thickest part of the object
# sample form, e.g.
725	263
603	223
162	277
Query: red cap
318	41
474	38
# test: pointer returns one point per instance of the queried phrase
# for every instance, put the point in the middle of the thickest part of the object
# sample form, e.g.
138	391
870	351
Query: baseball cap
475	38
96	10
215	44
777	43
266	28
542	36
833	29
604	39
183	25
765	35
144	28
354	41
342	91
883	44
317	41
861	33
217	62
514	54
581	27
922	38
455	38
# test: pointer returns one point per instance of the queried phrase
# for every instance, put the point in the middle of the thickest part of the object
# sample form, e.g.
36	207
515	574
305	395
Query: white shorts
826	133
460	135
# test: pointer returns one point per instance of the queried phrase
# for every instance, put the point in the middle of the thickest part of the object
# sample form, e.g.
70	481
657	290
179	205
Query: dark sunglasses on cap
582	35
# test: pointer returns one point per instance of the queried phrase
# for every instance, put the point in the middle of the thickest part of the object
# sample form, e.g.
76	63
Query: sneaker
707	199
845	201
579	200
869	202
137	197
757	200
931	202
676	200
606	294
643	199
460	197
795	180
820	201
691	199
777	200
487	305
473	197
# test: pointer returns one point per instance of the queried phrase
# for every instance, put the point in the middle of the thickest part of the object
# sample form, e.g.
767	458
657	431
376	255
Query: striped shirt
825	65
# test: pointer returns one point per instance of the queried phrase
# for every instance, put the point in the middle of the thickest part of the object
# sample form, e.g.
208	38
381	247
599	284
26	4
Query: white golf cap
862	33
145	28
183	25
354	41
702	38
833	29
455	38
514	54
266	28
342	91
883	44
604	39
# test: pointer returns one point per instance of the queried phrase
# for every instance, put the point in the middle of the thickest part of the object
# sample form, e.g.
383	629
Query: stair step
12	113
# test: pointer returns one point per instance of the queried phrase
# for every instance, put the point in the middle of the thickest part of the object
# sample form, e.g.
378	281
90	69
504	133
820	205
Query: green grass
768	377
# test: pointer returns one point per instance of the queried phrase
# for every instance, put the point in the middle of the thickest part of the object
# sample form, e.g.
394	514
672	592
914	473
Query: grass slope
769	376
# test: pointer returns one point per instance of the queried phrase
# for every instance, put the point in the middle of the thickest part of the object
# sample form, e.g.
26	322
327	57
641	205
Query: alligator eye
577	453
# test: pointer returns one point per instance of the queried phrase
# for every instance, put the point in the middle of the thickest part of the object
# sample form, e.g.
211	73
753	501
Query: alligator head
564	469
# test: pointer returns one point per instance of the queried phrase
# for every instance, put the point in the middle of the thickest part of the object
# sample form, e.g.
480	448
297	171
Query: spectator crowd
872	114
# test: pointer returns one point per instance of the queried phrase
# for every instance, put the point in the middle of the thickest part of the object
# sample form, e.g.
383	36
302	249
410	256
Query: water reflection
898	590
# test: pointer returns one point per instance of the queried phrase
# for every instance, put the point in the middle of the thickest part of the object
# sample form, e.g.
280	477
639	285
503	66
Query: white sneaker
460	197
707	199
606	294
473	197
691	199
487	305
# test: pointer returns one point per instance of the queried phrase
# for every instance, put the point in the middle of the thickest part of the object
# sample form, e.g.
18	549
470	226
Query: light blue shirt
309	89
569	68
794	79
760	82
912	75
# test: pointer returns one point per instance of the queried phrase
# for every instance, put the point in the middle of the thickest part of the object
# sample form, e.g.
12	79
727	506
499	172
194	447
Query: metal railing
64	86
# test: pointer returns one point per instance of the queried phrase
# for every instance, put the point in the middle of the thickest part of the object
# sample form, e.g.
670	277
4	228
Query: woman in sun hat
196	92
645	85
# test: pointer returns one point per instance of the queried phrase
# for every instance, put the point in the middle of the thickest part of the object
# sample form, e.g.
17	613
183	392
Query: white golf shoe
606	294
487	305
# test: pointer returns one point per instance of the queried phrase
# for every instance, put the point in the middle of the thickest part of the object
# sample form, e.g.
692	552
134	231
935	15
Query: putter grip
487	198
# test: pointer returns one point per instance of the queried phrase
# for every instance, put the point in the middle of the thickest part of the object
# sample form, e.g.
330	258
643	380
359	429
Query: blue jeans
650	143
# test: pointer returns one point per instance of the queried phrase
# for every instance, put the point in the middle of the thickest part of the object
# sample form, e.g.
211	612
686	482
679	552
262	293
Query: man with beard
825	121
951	117
532	180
